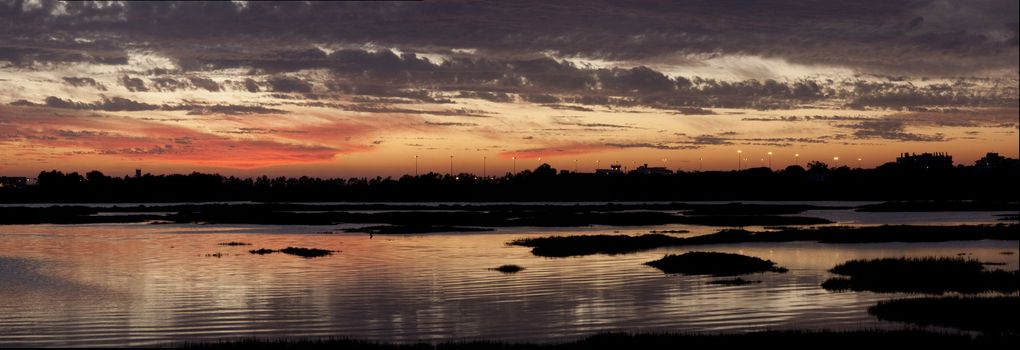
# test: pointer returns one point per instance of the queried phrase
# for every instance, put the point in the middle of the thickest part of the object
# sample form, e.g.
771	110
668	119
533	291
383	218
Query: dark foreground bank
913	339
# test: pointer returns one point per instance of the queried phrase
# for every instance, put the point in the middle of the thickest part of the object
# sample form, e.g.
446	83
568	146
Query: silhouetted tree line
891	181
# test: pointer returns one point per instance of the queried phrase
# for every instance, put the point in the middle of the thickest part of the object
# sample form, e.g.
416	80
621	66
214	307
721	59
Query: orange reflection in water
145	284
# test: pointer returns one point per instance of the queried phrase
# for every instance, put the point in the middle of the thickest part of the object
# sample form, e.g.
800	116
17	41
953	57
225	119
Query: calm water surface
136	284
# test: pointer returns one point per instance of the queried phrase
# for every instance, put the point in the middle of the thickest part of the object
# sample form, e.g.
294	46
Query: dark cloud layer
889	130
906	36
500	52
119	104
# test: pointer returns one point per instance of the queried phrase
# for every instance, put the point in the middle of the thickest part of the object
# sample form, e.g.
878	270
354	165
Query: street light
415	166
484	175
701	163
835	162
859	163
451	165
515	165
738	157
770	160
796	158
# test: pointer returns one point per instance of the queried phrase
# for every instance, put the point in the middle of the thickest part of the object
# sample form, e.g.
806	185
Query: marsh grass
509	268
302	252
415	229
671	341
713	263
920	275
987	314
578	245
733	282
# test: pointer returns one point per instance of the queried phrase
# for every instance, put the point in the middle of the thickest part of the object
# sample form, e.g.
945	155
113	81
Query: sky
369	89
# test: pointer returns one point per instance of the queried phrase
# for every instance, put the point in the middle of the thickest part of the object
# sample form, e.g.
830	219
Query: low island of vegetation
713	263
920	275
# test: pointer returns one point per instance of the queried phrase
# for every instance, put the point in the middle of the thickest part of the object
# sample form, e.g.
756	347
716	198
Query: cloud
204	83
650	145
449	124
194	109
555	151
375	108
164	84
794	118
106	104
114	136
576	121
709	140
119	104
888	130
288	84
918	37
133	84
84	81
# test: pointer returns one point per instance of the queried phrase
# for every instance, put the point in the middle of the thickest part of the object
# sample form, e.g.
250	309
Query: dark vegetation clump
715	264
920	275
414	229
929	206
306	252
509	268
912	339
563	246
987	314
733	282
234	244
302	252
670	231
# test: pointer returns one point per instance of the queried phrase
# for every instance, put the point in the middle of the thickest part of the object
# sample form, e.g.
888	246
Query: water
137	284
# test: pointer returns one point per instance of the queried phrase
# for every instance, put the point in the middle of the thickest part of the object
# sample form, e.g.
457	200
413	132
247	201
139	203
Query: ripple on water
117	285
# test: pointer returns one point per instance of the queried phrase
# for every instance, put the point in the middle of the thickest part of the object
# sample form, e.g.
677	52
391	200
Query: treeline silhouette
891	181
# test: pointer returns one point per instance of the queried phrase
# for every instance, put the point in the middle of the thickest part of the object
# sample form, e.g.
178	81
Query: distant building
613	169
938	160
138	172
14	181
658	170
991	160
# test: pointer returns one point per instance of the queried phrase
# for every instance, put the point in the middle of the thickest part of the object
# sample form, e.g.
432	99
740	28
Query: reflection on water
146	284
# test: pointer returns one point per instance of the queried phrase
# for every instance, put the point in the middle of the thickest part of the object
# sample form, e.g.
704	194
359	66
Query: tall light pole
415	166
835	162
484	174
796	158
515	165
739	158
451	165
597	165
859	163
770	160
575	165
701	163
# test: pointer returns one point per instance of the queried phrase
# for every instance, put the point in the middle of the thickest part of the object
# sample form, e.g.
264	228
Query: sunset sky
360	89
